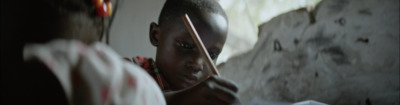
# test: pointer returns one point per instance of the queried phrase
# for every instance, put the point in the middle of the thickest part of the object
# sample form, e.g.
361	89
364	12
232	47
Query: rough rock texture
346	52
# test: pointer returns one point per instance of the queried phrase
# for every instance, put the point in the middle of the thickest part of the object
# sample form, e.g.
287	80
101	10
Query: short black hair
174	9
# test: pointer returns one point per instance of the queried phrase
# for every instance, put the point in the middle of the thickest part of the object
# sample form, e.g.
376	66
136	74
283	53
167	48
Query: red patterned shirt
149	65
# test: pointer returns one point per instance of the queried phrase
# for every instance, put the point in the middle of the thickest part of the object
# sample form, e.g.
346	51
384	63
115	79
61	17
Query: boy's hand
213	91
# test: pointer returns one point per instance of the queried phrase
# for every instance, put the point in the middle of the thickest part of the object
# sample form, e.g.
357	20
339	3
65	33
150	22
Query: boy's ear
154	34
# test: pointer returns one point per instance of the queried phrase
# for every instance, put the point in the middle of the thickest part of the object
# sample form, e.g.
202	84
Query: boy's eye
213	55
184	45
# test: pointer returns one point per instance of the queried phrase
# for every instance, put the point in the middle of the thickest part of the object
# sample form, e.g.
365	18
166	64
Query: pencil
199	44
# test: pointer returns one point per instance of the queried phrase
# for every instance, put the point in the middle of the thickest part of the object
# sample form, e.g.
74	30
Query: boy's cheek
207	72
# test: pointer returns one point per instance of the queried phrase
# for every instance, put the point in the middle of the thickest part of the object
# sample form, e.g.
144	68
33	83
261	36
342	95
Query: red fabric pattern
149	65
104	94
132	82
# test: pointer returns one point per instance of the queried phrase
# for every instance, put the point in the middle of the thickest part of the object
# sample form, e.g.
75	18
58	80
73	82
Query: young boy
179	68
63	62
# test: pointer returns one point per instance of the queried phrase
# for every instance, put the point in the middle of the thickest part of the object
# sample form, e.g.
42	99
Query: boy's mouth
191	80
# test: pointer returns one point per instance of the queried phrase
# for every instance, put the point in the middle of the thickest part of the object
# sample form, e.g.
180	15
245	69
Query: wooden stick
199	44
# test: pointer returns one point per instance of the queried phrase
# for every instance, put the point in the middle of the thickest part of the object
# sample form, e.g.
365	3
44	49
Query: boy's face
178	58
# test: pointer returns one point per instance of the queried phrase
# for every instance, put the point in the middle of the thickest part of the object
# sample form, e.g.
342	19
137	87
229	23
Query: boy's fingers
224	94
225	83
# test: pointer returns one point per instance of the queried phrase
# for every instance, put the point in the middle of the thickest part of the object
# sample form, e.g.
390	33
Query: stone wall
345	52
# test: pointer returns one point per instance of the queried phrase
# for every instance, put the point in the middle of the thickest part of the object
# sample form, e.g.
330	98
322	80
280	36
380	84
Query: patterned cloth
110	79
149	65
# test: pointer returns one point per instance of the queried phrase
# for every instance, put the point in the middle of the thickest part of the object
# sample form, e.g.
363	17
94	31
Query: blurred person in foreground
57	59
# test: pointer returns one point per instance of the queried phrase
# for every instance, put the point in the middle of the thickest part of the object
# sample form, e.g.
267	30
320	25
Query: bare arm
209	92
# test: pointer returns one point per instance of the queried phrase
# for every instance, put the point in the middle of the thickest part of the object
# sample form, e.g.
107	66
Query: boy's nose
195	65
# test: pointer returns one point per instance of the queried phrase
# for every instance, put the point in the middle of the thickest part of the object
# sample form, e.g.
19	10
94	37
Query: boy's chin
183	85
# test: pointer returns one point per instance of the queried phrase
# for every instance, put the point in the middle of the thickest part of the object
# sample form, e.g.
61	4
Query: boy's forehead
210	26
210	23
215	22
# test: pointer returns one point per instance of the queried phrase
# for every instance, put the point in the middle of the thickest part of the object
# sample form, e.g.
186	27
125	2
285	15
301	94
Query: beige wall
129	34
